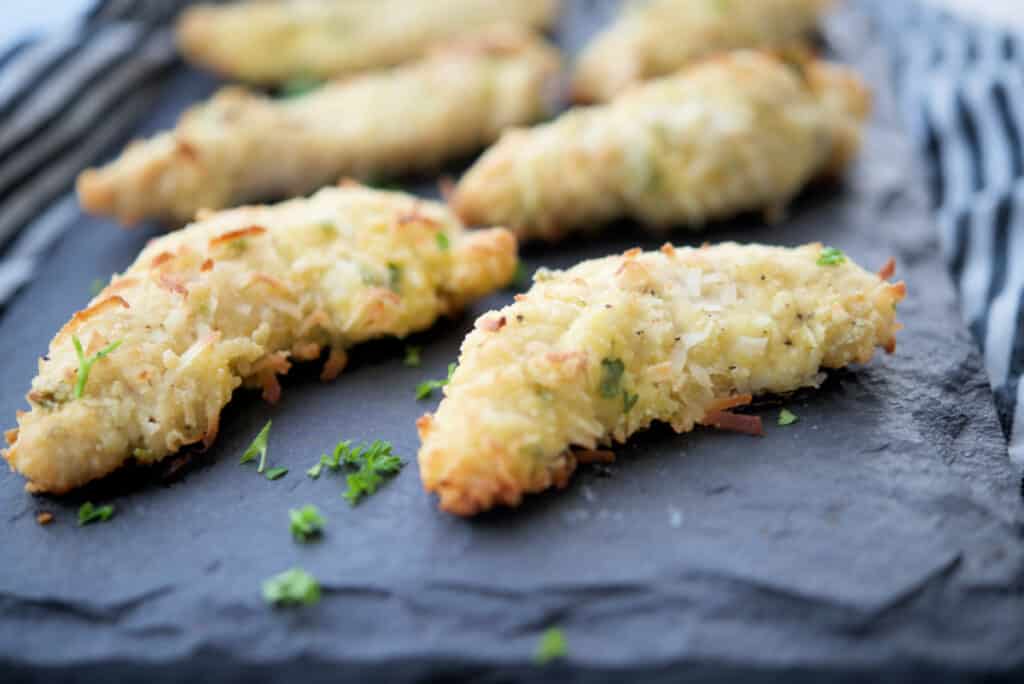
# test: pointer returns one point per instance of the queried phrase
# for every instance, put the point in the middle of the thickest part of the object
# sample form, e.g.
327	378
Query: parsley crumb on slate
306	522
552	646
88	513
787	417
294	587
258	446
425	389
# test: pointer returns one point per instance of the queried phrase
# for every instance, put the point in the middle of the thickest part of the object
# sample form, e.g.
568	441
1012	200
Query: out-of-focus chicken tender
740	132
271	42
244	147
660	36
593	354
231	300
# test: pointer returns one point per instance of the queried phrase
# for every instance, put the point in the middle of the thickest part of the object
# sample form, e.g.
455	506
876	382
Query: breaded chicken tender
230	301
593	354
243	146
660	36
740	132
271	42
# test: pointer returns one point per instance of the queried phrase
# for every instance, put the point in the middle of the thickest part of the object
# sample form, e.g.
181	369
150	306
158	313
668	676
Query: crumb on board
44	518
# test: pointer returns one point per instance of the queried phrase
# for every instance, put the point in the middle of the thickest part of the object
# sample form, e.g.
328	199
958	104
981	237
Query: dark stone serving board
878	536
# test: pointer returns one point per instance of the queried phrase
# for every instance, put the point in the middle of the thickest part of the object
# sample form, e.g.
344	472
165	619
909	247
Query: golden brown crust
242	146
344	266
742	131
594	354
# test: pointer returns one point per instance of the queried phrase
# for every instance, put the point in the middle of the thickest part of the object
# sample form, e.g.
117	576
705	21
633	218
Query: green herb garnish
89	514
276	473
830	256
611	377
520	279
96	286
294	587
258	446
787	417
552	646
374	462
333	462
394	277
300	85
85	364
442	242
306	522
412	356
628	401
425	389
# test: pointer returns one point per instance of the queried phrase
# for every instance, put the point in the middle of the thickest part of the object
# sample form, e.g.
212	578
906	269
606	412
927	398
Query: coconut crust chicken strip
593	354
741	132
658	37
232	300
243	146
272	42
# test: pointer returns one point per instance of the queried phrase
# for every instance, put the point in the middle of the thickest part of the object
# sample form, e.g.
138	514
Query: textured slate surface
879	534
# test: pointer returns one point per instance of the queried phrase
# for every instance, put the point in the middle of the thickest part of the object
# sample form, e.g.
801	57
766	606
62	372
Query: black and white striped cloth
72	95
961	89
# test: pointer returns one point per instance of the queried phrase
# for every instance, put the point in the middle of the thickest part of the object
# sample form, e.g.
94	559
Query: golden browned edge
507	492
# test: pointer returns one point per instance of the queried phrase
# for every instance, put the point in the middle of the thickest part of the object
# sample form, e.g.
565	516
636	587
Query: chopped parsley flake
276	473
552	646
300	85
394	277
258	446
89	514
830	256
96	286
611	377
787	417
425	389
374	462
629	401
442	242
306	522
85	364
412	356
294	587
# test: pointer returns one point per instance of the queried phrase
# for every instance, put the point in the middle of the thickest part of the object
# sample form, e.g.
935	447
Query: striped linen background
72	95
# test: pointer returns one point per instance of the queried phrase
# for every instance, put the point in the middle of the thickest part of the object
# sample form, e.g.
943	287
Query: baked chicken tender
271	42
660	36
231	300
740	132
242	146
593	354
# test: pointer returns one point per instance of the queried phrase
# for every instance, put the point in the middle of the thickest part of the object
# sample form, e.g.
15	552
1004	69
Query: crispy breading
242	146
225	302
744	131
265	42
593	354
658	37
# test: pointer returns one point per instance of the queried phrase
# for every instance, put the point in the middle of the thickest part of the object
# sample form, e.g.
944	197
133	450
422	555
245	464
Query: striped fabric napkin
76	80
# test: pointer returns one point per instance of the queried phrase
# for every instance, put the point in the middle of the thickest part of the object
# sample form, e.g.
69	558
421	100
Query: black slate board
878	535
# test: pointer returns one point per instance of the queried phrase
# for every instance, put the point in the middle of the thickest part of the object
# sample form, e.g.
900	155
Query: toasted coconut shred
227	302
567	374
